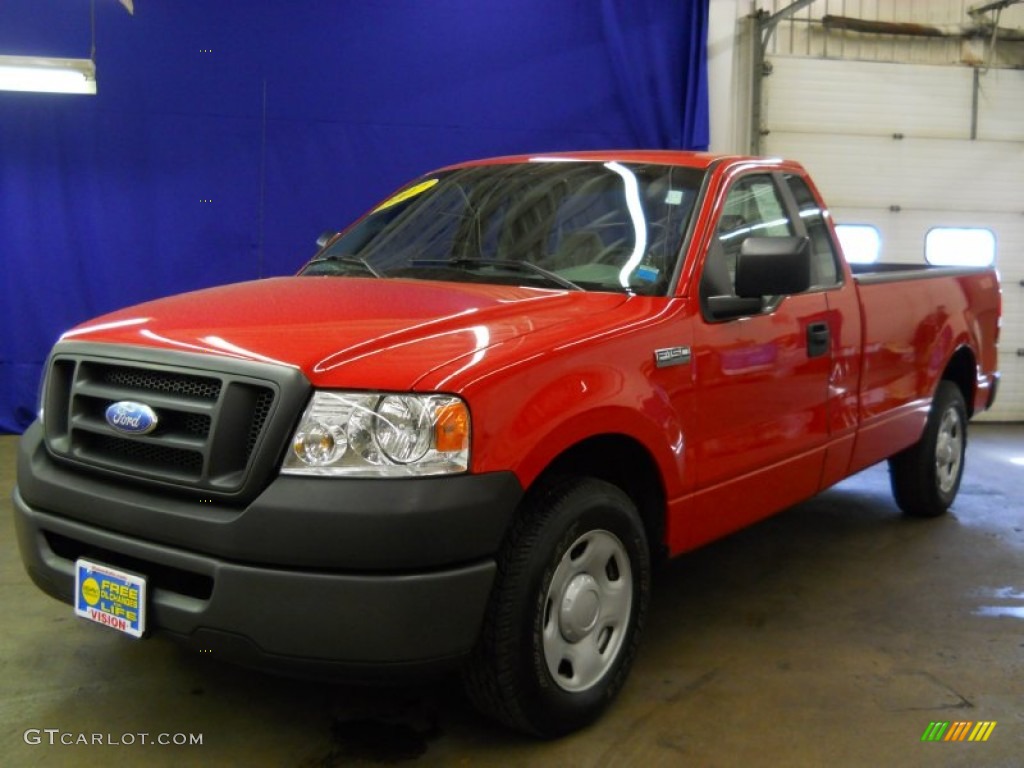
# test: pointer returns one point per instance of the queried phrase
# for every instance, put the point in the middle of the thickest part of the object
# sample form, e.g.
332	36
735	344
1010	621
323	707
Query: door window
753	208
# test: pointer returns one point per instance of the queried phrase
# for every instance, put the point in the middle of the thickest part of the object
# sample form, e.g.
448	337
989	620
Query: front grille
141	456
143	380
260	412
209	423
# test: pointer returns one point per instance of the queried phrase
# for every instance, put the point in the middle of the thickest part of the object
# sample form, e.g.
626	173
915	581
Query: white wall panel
729	49
868	98
858	98
1001	104
942	175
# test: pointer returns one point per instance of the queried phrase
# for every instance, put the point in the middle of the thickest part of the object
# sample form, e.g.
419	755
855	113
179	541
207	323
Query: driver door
761	379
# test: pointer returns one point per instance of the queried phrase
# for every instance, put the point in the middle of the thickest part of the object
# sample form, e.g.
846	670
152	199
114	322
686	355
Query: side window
824	269
752	208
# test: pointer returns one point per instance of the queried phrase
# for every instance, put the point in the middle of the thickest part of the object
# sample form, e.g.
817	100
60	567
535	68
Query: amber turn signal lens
451	428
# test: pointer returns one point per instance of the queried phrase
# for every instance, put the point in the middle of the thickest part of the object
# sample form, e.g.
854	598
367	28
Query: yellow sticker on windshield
405	194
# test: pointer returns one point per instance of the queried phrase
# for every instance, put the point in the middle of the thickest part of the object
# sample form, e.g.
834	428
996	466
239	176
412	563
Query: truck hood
346	332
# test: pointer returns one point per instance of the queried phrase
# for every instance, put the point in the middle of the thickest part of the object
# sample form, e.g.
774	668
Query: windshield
560	224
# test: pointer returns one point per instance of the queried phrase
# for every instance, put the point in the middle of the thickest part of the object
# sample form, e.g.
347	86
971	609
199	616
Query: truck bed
911	326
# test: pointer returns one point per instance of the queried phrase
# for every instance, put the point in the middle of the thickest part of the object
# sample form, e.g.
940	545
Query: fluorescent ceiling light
45	74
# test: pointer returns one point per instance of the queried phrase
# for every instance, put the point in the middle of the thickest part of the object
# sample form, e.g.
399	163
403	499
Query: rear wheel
566	612
926	477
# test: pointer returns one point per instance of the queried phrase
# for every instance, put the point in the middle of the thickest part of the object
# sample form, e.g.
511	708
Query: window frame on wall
962	234
849	249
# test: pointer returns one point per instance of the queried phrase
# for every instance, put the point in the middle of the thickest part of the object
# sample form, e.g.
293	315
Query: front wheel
926	476
566	612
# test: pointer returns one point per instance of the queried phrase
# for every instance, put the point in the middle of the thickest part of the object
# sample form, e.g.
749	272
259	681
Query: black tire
566	612
926	477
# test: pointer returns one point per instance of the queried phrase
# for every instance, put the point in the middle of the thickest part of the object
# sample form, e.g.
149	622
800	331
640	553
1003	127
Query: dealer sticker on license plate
110	597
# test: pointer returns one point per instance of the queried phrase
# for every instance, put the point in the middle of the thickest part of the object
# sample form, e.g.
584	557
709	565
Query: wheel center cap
580	608
946	453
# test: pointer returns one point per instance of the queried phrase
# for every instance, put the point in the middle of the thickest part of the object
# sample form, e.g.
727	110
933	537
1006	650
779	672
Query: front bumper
363	578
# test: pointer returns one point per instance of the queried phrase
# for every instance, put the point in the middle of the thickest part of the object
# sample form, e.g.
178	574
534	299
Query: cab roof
698	160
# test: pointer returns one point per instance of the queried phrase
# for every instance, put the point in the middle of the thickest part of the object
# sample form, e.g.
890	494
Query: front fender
533	397
527	435
667	453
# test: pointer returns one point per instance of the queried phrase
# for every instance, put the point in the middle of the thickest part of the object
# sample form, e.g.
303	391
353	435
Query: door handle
817	339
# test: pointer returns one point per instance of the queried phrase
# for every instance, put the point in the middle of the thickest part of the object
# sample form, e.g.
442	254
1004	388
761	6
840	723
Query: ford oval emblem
131	418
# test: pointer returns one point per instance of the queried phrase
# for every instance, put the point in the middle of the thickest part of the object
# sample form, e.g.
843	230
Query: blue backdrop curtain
226	135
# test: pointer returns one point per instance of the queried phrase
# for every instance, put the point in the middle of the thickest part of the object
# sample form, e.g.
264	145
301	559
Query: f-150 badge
671	356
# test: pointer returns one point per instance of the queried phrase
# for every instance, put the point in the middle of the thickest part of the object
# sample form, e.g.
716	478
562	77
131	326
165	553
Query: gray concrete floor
830	635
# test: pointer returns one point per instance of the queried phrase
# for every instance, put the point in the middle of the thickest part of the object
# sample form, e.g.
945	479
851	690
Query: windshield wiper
353	260
523	266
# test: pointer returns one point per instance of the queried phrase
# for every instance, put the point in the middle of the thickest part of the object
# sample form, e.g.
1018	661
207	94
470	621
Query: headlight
378	435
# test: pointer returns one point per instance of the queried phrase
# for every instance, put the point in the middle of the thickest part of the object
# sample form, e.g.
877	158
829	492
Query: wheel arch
962	370
624	462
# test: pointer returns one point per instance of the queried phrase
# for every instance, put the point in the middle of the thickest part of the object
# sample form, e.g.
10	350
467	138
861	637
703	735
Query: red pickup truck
463	434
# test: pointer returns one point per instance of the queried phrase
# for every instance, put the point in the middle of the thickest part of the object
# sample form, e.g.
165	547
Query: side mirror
773	266
325	238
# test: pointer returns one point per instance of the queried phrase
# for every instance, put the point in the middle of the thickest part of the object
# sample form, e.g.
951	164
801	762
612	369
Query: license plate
110	597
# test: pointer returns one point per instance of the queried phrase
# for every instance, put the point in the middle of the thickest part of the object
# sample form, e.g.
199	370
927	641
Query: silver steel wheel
587	610
949	450
567	611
